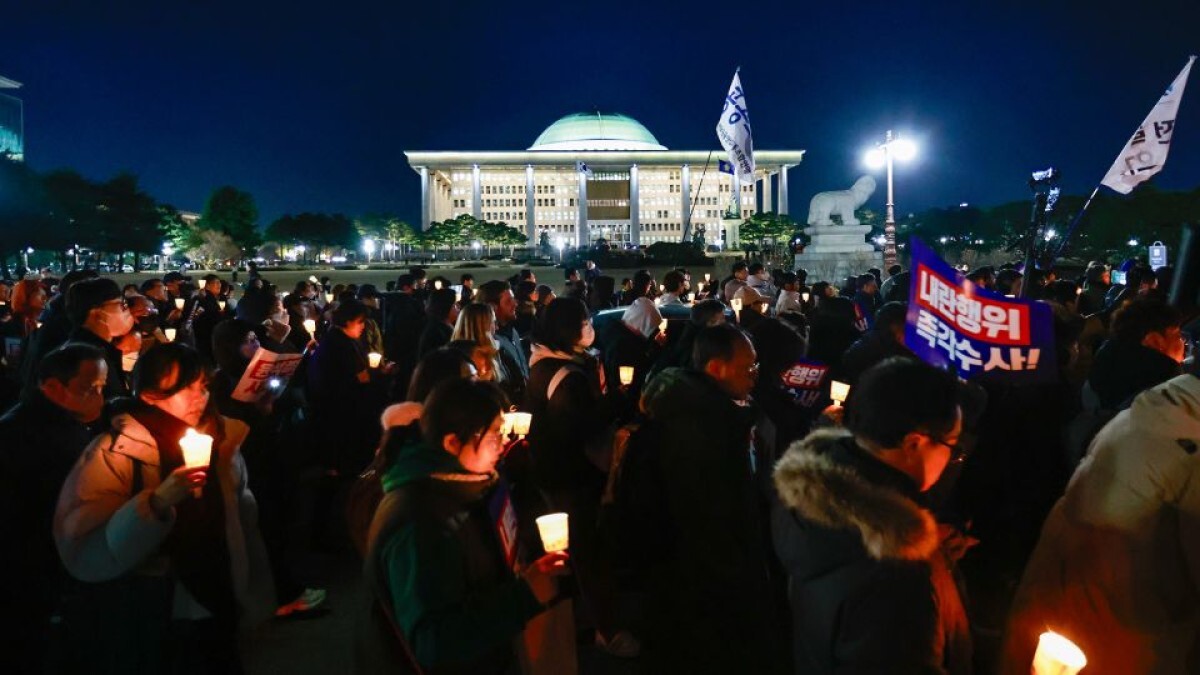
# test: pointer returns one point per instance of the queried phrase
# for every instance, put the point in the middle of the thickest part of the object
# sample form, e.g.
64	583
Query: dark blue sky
309	107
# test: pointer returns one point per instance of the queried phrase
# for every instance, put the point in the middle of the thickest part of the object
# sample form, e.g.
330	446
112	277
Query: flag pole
1062	246
692	208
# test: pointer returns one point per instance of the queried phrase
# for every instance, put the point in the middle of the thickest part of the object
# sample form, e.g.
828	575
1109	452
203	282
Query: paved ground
324	644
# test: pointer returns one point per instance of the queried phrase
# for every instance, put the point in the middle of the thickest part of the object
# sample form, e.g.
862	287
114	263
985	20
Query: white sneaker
621	645
309	600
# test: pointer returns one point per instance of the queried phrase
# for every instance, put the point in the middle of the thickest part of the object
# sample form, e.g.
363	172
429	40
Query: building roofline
593	158
6	83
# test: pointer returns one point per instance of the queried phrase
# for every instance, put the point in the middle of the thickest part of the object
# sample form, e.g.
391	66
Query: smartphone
1118	277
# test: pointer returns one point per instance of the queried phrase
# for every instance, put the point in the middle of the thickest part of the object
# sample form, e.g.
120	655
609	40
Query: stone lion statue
840	202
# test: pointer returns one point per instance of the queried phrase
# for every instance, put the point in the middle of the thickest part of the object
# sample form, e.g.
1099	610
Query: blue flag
724	167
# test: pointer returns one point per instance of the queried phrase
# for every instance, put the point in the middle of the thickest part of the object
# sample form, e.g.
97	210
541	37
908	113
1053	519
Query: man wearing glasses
98	312
870	584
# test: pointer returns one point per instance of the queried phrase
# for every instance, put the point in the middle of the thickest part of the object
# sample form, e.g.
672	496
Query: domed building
593	176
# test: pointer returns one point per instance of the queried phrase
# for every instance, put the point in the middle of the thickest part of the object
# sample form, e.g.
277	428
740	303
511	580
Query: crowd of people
726	515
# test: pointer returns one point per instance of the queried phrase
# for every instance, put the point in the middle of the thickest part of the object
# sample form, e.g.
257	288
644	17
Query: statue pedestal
838	251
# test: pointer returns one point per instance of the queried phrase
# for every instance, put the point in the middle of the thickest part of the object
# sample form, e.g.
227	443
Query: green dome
596	131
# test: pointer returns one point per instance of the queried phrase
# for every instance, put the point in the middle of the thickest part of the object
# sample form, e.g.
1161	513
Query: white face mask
119	322
589	335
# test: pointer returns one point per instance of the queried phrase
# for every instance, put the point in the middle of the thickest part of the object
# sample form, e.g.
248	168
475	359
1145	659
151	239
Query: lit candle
437	285
662	326
626	375
521	422
128	361
662	288
375	358
804	297
328	298
1056	655
554	531
197	451
221	304
179	303
839	392
170	333
707	277
310	325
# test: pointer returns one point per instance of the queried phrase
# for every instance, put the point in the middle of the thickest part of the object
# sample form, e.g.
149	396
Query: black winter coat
39	443
567	424
870	590
714	607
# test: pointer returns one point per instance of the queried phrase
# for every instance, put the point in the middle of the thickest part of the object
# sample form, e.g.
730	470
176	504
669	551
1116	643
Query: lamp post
368	247
881	156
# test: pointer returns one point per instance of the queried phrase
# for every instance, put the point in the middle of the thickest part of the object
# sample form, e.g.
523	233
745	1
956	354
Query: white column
582	236
783	190
635	205
425	215
736	186
530	225
476	202
766	193
685	201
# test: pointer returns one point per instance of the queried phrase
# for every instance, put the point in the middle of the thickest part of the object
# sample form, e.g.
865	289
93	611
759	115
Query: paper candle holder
197	452
1056	655
516	423
328	298
555	532
804	297
626	373
179	302
310	325
375	358
839	392
170	334
221	304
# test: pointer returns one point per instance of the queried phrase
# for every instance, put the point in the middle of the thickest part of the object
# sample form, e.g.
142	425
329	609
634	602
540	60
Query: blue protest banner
952	323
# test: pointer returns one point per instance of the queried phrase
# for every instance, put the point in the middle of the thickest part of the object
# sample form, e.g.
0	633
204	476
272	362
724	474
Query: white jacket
103	533
1117	567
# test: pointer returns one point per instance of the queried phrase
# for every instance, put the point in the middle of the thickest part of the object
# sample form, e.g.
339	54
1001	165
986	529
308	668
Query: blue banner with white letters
980	334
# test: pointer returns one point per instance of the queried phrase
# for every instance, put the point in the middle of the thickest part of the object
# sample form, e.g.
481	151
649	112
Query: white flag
1146	153
733	130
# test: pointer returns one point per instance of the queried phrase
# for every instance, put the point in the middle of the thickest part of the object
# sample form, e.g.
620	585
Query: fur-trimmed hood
827	482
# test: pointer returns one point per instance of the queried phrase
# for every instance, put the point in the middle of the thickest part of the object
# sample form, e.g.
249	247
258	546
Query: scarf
197	546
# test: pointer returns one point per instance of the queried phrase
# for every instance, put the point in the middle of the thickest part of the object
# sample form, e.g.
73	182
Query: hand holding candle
1056	655
310	325
554	532
197	452
516	423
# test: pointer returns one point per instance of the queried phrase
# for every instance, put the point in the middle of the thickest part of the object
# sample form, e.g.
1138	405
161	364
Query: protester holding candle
635	341
183	573
871	589
570	442
437	558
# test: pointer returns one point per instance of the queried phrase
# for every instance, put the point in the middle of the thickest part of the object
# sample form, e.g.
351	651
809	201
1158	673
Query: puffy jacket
103	532
1117	568
871	591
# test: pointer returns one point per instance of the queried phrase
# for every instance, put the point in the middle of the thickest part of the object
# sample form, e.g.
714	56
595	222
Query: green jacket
457	602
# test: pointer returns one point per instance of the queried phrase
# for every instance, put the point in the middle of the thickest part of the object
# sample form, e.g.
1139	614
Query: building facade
12	121
592	176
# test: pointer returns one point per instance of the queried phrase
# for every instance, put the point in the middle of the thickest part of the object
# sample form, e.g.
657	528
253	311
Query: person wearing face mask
44	434
168	556
100	317
572	423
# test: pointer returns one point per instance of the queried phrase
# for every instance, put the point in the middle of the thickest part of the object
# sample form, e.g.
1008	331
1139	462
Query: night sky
310	107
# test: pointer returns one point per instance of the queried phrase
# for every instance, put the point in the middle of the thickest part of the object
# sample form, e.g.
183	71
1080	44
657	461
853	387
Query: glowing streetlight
368	247
1133	242
1050	234
879	157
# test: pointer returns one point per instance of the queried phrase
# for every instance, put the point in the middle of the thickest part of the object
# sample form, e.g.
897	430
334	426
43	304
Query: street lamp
559	243
368	247
881	156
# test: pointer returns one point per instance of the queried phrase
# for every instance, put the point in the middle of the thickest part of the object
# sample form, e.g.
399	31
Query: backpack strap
559	375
